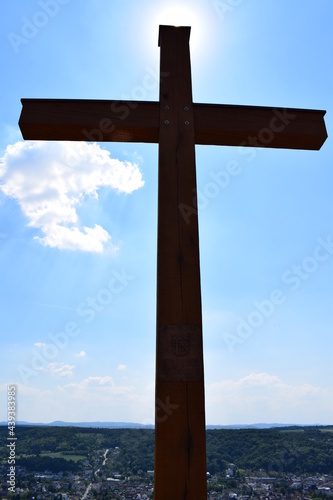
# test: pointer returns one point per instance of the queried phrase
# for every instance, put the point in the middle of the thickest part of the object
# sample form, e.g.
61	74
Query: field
75	458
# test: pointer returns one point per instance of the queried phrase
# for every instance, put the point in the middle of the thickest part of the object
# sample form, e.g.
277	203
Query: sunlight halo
176	15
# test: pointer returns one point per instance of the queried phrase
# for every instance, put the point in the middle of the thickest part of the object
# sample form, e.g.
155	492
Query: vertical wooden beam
180	444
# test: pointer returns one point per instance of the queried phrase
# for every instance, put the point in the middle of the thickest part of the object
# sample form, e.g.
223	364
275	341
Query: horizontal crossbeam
89	120
138	121
258	126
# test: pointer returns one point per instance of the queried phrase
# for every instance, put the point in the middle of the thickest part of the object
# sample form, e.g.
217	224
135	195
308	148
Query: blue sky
78	221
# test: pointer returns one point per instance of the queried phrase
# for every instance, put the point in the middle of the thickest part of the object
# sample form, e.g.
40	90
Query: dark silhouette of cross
176	124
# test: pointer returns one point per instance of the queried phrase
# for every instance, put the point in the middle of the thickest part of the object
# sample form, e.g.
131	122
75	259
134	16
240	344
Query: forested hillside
292	449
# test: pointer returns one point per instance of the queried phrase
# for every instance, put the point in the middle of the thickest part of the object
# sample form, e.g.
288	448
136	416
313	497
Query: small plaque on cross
179	353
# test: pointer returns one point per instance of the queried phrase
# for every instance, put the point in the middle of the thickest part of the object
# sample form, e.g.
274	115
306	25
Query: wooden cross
176	124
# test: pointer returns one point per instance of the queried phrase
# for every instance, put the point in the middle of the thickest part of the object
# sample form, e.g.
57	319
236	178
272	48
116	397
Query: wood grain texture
180	447
256	126
89	120
136	121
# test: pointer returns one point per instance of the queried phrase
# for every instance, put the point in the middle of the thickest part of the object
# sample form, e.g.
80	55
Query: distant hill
97	425
253	426
131	425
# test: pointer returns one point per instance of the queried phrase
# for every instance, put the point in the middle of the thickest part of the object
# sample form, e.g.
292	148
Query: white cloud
49	180
256	397
93	387
100	398
81	354
121	368
95	398
259	397
40	344
60	369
